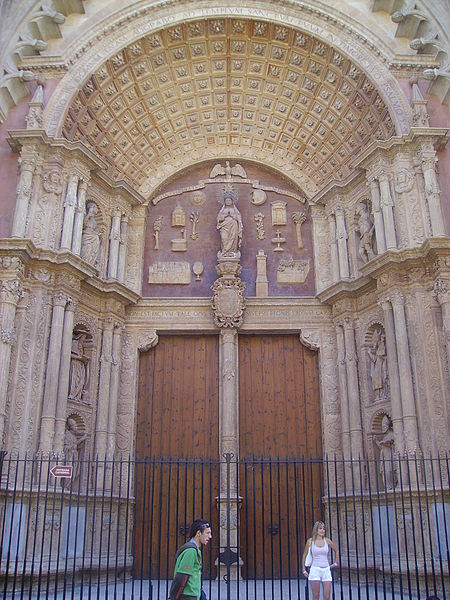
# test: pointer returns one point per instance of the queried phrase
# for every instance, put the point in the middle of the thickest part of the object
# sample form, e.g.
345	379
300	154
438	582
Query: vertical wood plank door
177	438
279	424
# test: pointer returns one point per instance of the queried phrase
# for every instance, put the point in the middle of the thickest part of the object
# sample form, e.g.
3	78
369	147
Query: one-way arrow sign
62	471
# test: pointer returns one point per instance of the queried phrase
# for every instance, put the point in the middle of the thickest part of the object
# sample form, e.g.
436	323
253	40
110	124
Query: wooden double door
178	445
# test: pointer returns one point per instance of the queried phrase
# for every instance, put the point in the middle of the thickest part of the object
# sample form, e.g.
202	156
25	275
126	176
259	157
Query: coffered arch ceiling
212	86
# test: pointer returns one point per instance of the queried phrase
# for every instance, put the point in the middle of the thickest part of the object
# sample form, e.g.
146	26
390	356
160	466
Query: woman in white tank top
320	571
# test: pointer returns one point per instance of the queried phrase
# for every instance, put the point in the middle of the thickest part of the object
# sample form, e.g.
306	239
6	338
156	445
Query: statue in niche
365	228
73	447
378	367
229	224
90	242
79	368
385	444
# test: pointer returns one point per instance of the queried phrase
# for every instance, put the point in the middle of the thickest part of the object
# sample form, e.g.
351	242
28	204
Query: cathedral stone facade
225	169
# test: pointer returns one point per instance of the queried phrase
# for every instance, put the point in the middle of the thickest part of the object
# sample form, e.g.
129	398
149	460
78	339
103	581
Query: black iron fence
110	528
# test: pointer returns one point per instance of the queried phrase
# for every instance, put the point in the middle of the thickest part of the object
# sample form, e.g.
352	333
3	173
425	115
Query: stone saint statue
79	368
378	370
229	224
386	446
73	447
365	228
90	242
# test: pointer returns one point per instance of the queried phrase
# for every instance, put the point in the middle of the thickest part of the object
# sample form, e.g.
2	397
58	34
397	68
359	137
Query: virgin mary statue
229	224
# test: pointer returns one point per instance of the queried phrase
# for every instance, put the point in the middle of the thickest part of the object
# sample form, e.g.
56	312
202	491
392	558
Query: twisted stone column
52	373
377	216
114	241
394	380
23	195
10	294
69	212
64	373
405	374
122	249
80	211
387	205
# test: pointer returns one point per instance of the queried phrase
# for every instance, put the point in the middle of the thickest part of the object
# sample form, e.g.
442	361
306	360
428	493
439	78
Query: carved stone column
377	216
343	392
80	211
114	241
101	426
333	248
432	192
69	212
52	373
353	389
10	294
228	441
114	391
27	163
394	380
63	383
387	205
122	248
405	374
342	237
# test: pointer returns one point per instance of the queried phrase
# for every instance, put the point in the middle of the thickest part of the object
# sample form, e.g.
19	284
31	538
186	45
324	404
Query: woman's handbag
308	559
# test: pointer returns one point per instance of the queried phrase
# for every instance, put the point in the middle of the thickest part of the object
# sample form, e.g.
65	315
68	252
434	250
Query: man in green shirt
187	577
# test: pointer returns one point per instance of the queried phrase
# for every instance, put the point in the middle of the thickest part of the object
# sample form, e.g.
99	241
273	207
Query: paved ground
242	590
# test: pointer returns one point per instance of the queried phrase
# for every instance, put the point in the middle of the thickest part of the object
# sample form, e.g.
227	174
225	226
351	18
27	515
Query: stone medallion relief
228	210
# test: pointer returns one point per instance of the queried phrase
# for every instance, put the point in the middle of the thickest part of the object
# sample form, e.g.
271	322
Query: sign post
62	471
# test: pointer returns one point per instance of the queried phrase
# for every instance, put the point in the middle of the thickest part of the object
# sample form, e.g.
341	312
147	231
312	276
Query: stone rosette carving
228	302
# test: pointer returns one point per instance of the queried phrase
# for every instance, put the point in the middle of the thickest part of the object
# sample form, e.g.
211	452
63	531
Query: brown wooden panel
279	417
177	420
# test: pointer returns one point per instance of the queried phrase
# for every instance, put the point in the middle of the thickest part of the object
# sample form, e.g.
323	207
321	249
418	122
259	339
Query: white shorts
320	574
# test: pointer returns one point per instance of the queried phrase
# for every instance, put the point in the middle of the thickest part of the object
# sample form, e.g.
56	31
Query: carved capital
9	336
441	290
60	299
147	340
10	291
397	298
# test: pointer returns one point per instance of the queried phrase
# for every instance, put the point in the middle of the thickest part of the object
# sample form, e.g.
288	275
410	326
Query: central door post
228	501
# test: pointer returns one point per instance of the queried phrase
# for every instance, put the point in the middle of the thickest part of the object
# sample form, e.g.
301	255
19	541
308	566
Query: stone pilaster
10	294
122	248
343	392
405	374
114	241
377	216
69	212
394	379
353	389
333	248
27	163
387	206
101	427
52	373
114	390
342	237
442	293
63	382
432	191
80	211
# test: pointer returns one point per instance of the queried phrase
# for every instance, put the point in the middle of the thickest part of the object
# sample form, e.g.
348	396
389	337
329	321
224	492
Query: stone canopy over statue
229	224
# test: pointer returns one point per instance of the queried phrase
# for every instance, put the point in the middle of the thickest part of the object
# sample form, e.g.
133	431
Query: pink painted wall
8	158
